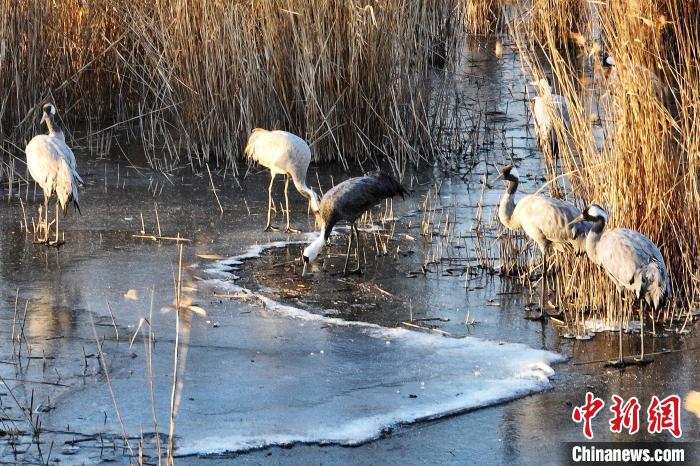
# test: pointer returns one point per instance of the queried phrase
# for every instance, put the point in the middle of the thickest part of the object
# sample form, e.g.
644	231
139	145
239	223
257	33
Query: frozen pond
279	360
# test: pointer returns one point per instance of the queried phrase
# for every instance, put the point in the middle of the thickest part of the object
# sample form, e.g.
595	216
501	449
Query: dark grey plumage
352	198
347	202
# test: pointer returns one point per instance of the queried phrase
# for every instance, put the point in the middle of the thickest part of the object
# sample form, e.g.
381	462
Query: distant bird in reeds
547	221
639	75
547	108
347	202
52	165
286	154
632	261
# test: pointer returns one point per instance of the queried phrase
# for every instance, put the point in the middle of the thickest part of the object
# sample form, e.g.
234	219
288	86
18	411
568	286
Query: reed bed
192	79
633	142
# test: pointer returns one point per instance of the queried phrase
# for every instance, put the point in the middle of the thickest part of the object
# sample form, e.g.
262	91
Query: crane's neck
507	206
54	130
593	238
308	193
313	249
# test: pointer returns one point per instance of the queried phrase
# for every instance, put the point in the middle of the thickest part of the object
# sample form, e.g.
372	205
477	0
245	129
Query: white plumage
51	163
631	260
546	220
286	154
547	108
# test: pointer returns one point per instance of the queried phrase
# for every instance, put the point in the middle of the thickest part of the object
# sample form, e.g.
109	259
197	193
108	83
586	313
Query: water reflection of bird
347	202
52	317
52	165
631	260
286	154
547	108
544	219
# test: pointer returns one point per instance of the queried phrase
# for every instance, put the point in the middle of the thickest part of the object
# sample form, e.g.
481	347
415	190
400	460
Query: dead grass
192	79
634	142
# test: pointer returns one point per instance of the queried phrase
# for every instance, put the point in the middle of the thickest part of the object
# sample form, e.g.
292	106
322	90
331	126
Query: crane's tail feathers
252	141
655	287
393	186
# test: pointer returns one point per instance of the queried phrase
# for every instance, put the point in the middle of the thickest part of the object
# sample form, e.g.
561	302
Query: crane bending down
547	108
632	261
348	201
286	154
52	165
547	221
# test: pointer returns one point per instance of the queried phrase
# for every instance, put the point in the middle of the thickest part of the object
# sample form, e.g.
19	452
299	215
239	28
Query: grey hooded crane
547	221
52	165
347	202
632	261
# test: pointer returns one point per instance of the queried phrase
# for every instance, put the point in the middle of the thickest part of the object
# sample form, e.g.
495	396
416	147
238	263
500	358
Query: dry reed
642	162
191	79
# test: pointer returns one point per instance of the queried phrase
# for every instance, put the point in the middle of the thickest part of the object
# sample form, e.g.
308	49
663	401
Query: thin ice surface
281	375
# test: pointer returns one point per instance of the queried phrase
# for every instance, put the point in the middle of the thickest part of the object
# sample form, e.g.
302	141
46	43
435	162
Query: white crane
547	221
546	109
52	165
347	201
286	154
632	261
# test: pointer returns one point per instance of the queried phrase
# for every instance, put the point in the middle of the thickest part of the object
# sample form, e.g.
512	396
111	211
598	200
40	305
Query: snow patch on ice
462	374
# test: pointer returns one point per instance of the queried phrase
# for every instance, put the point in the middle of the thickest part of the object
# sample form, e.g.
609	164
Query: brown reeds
192	79
633	141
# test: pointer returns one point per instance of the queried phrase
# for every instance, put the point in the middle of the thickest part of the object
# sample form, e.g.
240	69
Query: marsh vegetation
437	92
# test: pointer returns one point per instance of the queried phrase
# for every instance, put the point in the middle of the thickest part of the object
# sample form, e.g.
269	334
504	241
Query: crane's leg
620	363
641	330
543	287
357	248
347	253
543	291
620	358
44	222
554	146
269	226
289	229
57	243
57	209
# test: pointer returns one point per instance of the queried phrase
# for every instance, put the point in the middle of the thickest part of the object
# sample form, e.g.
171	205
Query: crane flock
630	259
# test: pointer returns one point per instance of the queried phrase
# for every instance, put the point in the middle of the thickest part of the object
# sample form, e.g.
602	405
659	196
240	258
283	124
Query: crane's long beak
44	117
499	177
580	218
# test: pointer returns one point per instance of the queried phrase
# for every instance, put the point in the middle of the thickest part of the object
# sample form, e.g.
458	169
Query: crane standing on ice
632	261
348	201
547	221
286	154
52	165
